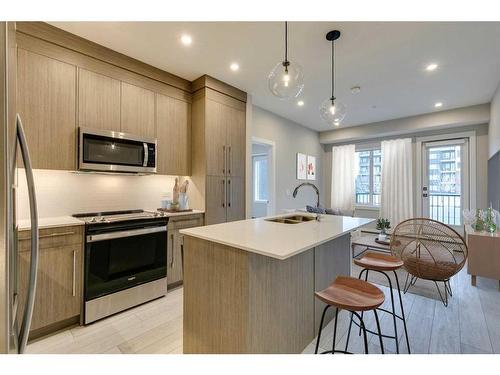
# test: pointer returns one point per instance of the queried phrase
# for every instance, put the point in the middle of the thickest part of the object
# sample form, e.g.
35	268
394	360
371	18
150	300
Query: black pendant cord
333	73
286	63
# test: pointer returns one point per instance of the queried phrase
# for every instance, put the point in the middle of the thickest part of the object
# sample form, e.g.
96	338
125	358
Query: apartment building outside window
369	178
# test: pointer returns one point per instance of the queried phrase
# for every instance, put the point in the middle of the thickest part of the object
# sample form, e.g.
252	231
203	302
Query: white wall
61	193
289	138
434	121
494	129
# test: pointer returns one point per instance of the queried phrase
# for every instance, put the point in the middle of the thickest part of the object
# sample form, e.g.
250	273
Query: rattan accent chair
429	250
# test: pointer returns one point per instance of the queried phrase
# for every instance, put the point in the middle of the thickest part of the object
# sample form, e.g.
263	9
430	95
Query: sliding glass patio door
445	180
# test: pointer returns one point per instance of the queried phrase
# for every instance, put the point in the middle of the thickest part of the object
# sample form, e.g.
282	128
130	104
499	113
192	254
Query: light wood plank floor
470	324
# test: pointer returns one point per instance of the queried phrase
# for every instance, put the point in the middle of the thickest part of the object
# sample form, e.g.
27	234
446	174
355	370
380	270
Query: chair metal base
393	312
362	327
443	296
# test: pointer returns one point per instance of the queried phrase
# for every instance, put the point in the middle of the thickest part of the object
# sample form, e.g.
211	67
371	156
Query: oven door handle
124	233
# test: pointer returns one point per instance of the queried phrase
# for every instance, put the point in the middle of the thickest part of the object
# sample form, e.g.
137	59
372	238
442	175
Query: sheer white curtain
397	180
344	171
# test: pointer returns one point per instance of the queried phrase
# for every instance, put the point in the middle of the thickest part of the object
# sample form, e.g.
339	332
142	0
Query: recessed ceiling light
186	40
300	103
336	123
234	67
431	67
438	104
355	90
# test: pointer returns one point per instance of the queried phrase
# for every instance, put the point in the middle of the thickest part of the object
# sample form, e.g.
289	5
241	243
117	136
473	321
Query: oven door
120	259
110	151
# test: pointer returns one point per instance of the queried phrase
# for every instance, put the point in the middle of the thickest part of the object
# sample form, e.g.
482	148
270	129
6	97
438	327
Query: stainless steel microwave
111	151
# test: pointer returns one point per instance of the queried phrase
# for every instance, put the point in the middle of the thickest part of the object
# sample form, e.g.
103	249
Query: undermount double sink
295	219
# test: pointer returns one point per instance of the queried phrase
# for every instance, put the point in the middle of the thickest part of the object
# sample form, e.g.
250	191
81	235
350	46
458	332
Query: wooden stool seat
352	294
380	262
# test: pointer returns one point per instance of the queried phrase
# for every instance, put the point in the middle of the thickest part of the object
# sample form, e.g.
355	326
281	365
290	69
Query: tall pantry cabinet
219	149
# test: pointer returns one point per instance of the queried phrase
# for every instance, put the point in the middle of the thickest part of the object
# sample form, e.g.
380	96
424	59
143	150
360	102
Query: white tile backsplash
61	193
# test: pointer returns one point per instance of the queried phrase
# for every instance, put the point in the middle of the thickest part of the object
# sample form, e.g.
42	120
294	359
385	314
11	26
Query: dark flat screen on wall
494	181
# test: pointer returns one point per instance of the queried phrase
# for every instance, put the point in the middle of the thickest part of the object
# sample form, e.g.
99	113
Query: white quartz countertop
65	221
277	240
50	222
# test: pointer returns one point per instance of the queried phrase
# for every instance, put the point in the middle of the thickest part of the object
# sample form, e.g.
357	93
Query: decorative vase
382	235
490	225
479	224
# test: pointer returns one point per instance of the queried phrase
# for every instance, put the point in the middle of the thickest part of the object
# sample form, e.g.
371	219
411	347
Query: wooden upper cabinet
217	118
173	131
236	142
98	101
137	110
46	103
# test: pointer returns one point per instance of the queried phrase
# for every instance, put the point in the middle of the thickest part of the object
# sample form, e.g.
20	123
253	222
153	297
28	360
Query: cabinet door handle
74	274
173	251
229	192
224	158
230	160
223	192
57	234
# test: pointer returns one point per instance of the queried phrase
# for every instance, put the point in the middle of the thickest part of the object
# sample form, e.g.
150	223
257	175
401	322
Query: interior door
445	177
260	185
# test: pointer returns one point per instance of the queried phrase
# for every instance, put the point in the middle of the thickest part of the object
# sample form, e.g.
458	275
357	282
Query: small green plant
383	224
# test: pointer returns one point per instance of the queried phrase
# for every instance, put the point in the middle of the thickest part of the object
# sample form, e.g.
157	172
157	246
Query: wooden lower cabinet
235	199
215	204
175	243
58	297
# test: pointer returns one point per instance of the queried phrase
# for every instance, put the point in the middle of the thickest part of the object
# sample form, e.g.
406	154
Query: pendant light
286	80
332	110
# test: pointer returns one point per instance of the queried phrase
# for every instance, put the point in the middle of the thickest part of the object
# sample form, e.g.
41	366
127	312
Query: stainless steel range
125	260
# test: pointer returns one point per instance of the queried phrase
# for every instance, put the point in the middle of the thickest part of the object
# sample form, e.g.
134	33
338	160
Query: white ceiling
386	59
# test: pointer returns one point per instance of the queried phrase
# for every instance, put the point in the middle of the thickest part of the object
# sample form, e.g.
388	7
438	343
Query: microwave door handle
146	155
30	300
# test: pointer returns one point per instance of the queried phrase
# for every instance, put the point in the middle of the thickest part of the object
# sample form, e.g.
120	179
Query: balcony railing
446	208
364	198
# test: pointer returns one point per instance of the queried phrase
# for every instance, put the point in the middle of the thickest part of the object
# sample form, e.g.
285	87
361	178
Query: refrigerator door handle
30	300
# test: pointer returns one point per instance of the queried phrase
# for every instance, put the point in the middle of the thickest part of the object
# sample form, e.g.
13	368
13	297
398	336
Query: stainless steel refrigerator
15	315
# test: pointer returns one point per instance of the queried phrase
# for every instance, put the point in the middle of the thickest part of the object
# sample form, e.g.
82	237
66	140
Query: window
369	178
260	177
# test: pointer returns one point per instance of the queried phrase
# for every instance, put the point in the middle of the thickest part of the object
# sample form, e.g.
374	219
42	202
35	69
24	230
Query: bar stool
383	263
351	294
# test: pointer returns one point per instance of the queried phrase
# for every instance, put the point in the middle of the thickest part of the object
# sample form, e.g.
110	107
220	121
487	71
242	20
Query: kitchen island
249	285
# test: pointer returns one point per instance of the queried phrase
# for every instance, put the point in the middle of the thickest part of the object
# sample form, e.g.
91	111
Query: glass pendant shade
332	112
286	82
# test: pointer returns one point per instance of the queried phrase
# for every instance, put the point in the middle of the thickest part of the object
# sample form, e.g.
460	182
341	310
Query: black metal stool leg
393	312
349	332
379	331
321	328
335	329
402	312
366	279
363	328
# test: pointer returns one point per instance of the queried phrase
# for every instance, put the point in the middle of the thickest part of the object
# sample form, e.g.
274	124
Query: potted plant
382	226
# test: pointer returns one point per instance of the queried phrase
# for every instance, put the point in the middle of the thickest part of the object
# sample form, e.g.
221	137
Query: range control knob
93	219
